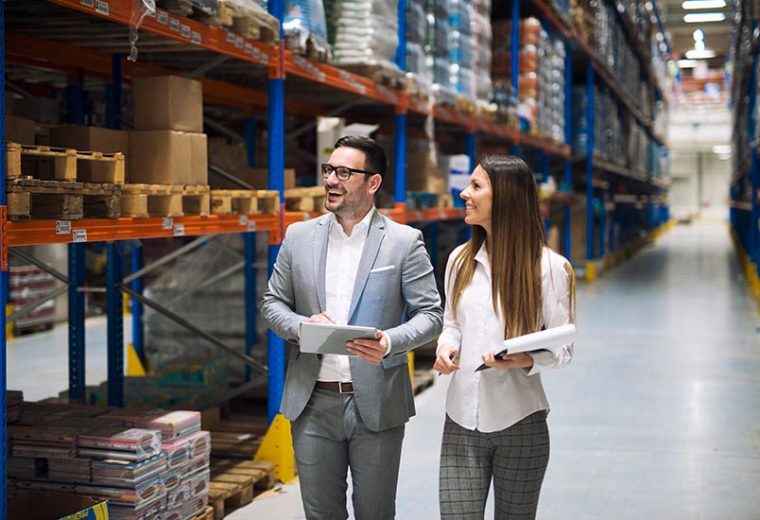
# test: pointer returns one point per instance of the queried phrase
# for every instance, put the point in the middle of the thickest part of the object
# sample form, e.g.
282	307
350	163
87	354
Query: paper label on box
102	7
167	223
163	17
243	220
174	24
62	227
80	235
179	230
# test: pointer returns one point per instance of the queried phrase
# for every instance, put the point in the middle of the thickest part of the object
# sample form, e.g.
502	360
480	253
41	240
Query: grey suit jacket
380	299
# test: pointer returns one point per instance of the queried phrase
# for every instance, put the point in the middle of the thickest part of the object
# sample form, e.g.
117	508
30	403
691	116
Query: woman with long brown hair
503	283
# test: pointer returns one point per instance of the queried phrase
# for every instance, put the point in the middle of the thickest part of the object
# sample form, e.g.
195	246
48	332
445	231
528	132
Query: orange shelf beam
39	232
181	29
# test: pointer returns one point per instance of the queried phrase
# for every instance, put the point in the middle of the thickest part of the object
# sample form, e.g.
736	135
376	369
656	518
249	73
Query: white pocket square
381	269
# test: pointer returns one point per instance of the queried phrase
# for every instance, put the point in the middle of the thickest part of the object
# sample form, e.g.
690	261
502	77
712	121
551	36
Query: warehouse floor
657	416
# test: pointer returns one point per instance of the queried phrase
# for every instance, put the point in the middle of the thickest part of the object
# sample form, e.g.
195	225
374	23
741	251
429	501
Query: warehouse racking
86	38
745	182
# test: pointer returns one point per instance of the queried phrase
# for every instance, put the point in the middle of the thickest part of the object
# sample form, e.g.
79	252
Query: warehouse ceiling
717	35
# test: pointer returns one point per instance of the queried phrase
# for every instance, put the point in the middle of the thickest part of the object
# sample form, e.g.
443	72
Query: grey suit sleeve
279	299
423	302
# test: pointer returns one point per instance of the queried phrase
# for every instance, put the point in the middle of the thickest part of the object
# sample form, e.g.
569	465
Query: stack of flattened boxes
168	145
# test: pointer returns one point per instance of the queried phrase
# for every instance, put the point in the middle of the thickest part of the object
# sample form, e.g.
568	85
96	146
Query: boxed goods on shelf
167	103
29	283
166	157
481	42
419	64
92	138
19	130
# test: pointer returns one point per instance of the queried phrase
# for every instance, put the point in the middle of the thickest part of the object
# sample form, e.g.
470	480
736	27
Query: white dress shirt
343	255
492	400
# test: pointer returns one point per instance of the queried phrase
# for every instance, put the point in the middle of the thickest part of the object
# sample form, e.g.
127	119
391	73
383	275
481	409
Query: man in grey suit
352	266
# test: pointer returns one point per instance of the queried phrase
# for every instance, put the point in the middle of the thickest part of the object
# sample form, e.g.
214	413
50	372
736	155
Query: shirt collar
361	227
482	257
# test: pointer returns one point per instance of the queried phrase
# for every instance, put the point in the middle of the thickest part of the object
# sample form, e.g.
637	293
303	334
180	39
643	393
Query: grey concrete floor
658	416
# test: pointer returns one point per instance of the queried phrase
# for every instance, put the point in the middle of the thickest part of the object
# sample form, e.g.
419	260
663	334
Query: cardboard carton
199	166
168	103
89	138
59	506
19	130
160	157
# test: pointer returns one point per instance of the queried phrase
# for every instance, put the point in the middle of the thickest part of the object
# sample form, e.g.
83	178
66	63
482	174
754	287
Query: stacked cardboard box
168	145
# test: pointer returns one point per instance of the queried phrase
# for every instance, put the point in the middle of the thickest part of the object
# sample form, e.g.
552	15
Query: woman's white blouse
492	400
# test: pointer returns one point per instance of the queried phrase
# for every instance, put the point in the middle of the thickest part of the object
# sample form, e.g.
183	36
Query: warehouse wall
700	176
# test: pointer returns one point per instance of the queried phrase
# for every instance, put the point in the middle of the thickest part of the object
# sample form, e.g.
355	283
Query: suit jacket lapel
371	248
321	237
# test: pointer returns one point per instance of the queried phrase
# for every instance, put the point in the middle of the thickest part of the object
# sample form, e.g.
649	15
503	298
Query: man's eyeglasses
343	173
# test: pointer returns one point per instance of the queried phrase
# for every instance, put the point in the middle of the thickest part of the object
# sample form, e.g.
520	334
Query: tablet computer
328	338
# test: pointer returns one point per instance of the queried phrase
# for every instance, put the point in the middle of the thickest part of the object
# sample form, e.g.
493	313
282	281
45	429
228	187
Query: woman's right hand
444	361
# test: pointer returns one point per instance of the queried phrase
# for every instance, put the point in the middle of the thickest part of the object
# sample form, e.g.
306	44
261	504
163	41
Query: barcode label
251	225
243	220
179	230
196	38
80	235
185	31
167	223
62	227
102	7
174	24
163	17
88	3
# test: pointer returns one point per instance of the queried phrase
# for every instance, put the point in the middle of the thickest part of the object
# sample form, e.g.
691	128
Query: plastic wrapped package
305	28
133	444
482	35
366	33
191	7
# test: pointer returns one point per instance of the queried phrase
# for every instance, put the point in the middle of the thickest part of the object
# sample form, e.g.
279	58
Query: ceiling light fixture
687	64
704	17
696	54
722	149
699	35
704	4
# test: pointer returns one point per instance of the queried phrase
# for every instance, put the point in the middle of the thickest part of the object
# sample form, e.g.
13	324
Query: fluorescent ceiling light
704	17
695	54
700	46
704	4
687	64
699	35
722	149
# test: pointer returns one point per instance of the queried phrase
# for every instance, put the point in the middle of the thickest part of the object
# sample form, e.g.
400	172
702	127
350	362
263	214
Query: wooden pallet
30	198
422	200
245	21
208	514
244	202
23	160
161	200
306	199
235	483
240	445
380	73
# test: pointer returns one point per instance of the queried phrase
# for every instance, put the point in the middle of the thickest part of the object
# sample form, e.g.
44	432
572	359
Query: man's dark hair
376	160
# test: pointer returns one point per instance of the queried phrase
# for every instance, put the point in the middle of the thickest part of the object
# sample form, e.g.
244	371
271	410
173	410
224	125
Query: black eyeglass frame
350	171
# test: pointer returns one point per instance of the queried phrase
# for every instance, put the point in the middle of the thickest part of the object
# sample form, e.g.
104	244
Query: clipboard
328	338
549	339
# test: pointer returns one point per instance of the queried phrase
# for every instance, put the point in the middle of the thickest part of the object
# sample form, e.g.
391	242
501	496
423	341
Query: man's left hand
370	350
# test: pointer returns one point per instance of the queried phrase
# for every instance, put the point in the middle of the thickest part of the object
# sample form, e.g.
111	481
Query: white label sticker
80	235
243	220
62	227
179	230
88	3
167	223
185	31
163	17
248	48
102	7
239	42
230	37
264	58
196	38
252	225
174	24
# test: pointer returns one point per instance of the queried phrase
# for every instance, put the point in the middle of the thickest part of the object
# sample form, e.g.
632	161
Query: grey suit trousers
329	437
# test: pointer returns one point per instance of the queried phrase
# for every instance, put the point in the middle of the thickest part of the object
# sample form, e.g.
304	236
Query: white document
550	339
328	338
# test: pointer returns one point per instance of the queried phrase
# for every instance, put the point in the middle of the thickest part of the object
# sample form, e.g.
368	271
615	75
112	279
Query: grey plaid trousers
515	457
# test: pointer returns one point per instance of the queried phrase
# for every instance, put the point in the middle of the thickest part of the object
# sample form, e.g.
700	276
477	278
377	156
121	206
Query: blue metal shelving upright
3	279
400	117
754	237
590	144
567	181
276	118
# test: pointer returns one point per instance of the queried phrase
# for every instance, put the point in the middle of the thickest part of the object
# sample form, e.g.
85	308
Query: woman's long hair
517	243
